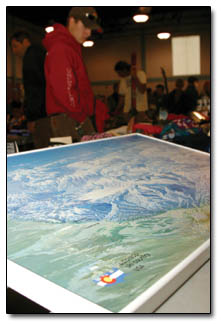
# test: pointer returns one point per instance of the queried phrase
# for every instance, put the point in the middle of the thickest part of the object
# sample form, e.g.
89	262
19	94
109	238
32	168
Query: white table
193	296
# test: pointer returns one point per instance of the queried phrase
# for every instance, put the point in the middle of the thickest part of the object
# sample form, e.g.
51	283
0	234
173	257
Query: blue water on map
131	203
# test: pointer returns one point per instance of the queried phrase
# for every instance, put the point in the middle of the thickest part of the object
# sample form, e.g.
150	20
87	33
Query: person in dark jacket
113	99
191	94
176	99
33	57
159	98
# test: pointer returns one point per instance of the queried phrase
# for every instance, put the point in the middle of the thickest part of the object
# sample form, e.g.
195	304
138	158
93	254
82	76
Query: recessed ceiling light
140	18
88	43
163	35
49	29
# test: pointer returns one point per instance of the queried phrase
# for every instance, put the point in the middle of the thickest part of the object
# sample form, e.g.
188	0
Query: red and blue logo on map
110	278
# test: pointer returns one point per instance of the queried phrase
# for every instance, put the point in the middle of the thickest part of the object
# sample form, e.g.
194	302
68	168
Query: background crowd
59	101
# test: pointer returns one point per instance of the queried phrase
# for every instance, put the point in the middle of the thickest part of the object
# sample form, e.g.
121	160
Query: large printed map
107	219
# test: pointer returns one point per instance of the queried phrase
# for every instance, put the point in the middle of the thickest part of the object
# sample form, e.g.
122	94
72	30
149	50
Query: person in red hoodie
68	89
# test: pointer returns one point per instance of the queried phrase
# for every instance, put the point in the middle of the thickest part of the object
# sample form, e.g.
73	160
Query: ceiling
113	18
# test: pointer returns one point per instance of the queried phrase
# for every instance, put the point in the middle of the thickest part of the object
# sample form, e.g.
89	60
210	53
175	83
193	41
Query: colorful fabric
185	123
175	116
95	136
179	127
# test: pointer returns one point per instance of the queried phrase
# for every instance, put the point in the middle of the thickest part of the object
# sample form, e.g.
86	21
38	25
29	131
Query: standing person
125	72
113	99
33	57
69	96
149	96
191	93
176	99
159	97
206	89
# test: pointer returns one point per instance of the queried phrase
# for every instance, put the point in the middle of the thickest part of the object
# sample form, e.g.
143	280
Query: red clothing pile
147	128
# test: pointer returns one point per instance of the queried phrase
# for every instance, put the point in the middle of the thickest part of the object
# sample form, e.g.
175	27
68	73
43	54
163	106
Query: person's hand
31	126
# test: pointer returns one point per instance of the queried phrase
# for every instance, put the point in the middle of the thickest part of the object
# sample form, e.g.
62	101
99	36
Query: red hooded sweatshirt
68	89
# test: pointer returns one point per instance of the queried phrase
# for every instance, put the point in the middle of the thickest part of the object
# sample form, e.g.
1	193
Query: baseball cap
87	15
